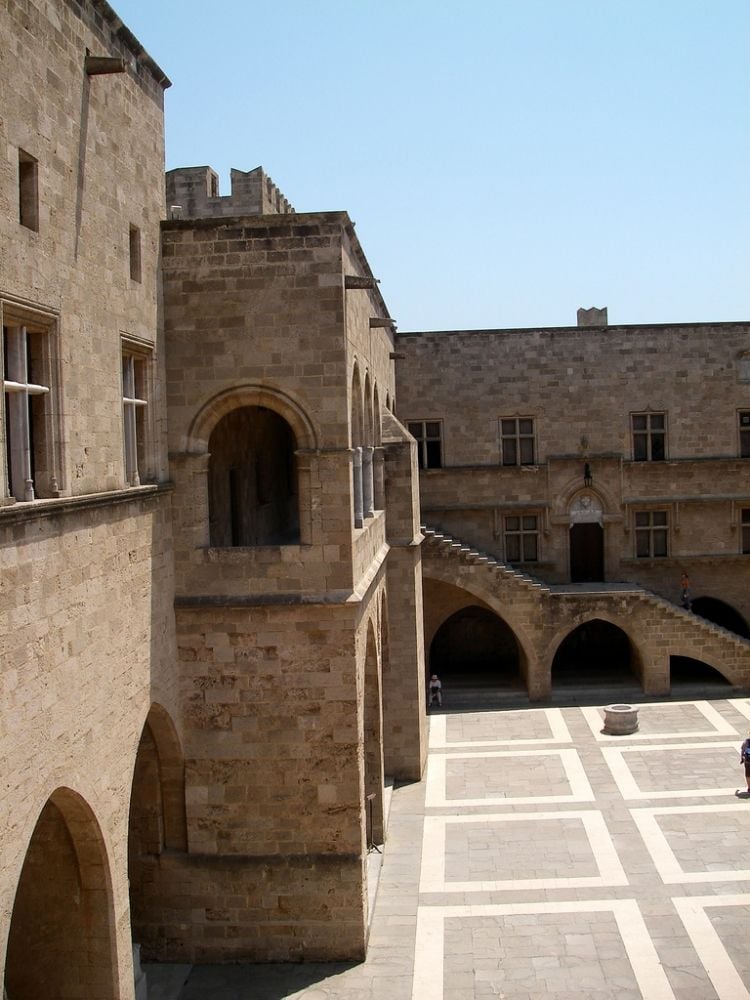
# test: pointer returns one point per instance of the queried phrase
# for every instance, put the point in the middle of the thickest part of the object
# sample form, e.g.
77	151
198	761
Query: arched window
252	478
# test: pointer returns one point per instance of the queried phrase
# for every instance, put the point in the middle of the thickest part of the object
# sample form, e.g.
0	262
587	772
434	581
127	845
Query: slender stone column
357	470
367	482
378	462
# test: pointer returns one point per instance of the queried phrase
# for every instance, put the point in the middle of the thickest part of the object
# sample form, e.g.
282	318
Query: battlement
193	193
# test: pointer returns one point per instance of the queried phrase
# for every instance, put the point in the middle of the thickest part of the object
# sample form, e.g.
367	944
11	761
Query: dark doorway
597	652
586	553
719	613
474	648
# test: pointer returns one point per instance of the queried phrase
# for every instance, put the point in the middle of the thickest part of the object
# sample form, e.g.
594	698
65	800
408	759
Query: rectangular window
651	530
522	538
135	253
28	191
29	440
135	376
428	434
745	526
517	441
744	421
649	437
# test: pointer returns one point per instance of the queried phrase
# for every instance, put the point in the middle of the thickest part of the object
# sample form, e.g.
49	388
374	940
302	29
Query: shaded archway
687	671
252	480
373	742
596	652
475	648
156	823
62	937
721	613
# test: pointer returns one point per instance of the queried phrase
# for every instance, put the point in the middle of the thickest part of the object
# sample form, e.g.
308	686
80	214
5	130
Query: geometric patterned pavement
540	859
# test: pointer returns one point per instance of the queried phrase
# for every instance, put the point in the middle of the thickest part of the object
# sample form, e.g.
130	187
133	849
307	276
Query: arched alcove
687	671
157	818
475	648
373	742
596	652
721	613
61	941
252	478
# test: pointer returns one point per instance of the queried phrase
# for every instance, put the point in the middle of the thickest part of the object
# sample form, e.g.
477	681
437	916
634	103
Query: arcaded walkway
540	859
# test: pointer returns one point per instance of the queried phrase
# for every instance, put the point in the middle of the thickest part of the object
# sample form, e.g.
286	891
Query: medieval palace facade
214	556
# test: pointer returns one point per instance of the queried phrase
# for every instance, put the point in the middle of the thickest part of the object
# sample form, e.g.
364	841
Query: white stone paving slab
617	763
580	789
663	856
430	952
432	876
716	961
558	732
719	725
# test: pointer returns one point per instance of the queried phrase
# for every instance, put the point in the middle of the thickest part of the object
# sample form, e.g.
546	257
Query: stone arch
721	613
156	822
373	740
465	589
582	646
689	670
251	394
574	488
475	647
368	477
62	939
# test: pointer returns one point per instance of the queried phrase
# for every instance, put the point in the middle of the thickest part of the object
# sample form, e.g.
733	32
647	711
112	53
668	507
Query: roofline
587	329
128	38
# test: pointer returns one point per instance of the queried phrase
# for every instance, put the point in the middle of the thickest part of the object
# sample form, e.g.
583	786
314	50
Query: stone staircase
660	621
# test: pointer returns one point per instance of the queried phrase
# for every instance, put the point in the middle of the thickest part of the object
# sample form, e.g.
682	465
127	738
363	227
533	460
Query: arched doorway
252	478
61	940
156	822
475	648
721	613
586	540
596	652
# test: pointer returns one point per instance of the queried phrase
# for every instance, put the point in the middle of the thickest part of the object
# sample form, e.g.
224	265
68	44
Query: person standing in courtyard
745	759
685	599
436	691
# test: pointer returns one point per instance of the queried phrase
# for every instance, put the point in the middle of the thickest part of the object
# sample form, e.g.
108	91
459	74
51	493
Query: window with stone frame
744	428
30	435
136	380
429	437
517	441
745	530
521	538
649	436
651	534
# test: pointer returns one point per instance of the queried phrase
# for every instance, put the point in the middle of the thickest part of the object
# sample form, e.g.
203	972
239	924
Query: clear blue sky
506	161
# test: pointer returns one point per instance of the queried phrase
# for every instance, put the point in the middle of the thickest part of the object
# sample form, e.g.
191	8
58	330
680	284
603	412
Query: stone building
570	476
211	654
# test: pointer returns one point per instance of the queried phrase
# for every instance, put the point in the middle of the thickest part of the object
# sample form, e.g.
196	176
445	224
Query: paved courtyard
541	859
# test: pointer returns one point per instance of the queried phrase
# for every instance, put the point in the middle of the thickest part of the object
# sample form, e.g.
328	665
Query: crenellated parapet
193	193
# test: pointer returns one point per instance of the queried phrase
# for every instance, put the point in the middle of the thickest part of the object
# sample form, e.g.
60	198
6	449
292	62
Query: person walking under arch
436	691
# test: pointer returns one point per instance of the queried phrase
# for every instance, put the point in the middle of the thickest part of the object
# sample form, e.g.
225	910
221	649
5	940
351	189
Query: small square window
517	440
744	428
745	528
135	395
649	437
521	538
651	534
135	253
428	434
28	191
30	434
